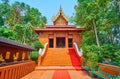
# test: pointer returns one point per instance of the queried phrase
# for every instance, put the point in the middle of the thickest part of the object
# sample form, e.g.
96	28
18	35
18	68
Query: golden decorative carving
7	55
60	13
60	20
23	55
14	57
1	58
17	55
60	34
28	57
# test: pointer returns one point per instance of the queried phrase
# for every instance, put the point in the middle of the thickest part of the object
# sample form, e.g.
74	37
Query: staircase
56	57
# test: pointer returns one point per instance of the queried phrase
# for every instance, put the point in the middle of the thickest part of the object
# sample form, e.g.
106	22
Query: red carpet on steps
61	74
74	58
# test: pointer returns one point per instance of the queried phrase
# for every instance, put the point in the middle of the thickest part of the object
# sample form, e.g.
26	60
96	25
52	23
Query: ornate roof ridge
60	13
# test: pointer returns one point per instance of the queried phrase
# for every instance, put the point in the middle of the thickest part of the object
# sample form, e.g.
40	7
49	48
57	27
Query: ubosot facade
59	37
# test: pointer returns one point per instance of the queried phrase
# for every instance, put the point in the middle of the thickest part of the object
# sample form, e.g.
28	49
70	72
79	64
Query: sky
50	8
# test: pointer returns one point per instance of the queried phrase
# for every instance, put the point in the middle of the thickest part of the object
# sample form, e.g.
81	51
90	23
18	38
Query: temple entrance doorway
51	43
70	42
60	42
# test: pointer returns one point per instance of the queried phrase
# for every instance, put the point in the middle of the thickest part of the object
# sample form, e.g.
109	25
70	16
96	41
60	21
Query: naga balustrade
16	71
42	53
79	52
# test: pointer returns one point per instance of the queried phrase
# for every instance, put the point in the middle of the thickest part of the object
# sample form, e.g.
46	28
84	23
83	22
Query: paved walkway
60	73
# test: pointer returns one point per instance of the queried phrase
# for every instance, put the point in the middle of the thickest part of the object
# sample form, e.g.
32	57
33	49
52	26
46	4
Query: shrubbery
34	55
37	45
106	53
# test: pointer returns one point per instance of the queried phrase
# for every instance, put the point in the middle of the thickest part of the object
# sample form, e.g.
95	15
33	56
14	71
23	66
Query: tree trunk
96	35
24	36
119	5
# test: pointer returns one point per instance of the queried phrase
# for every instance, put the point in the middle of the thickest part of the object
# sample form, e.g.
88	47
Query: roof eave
10	43
54	30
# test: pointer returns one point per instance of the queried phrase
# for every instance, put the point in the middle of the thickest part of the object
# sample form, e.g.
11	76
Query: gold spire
60	8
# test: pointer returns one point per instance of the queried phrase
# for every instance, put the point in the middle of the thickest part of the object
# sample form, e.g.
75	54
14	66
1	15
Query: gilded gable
60	18
60	21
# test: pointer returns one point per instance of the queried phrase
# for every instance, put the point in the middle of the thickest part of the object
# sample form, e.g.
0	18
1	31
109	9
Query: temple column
54	40
66	42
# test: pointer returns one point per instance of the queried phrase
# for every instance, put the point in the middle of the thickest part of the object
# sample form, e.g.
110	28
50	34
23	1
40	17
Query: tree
91	14
34	17
18	17
5	1
102	19
7	33
4	11
16	14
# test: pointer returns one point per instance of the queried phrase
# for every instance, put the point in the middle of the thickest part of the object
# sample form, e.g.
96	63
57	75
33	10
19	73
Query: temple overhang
68	28
60	30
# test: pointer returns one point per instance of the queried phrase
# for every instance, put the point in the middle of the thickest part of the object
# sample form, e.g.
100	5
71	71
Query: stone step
58	68
56	57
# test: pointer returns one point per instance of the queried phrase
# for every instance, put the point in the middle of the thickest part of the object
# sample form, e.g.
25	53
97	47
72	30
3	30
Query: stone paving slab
48	74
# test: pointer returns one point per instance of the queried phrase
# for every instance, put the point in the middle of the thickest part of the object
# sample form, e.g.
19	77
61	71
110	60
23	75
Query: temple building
60	34
58	39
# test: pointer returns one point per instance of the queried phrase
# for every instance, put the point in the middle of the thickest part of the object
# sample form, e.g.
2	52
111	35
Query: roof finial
60	8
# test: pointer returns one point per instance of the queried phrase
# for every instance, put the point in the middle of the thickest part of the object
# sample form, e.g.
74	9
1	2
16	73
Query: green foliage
91	48
108	50
102	19
18	17
4	11
5	1
118	77
91	59
117	57
25	34
34	55
111	52
34	17
37	45
7	33
91	55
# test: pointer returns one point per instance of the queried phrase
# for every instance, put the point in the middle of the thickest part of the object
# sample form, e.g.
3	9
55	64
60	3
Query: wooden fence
16	71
